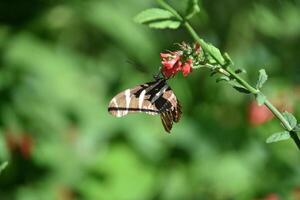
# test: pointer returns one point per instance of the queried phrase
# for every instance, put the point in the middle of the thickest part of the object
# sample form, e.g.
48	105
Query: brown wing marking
177	112
134	100
167	121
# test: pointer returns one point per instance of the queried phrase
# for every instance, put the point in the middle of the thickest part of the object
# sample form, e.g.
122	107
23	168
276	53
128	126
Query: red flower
187	67
258	114
173	62
172	71
170	59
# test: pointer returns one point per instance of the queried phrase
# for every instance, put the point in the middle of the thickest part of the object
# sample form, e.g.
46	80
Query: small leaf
152	14
172	24
262	78
297	128
228	60
240	71
260	98
241	89
223	78
215	53
213	73
192	9
3	166
276	137
290	118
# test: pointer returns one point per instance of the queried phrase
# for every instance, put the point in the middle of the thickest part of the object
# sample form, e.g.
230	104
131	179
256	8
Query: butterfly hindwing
155	97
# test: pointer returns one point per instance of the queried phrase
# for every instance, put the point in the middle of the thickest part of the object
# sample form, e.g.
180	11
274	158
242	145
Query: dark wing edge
168	117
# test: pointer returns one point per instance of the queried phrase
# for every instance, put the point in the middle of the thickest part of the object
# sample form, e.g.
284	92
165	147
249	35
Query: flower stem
166	6
274	110
242	81
295	138
228	69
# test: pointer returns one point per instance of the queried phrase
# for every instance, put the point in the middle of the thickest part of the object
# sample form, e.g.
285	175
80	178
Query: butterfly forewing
152	98
133	100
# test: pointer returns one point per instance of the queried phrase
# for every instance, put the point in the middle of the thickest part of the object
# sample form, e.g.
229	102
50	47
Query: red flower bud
169	59
164	55
168	72
187	67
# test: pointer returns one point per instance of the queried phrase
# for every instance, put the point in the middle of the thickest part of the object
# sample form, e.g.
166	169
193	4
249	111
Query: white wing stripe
171	97
116	104
141	98
158	94
127	100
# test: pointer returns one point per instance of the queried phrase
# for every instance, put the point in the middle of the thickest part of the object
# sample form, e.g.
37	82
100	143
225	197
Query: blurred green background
62	61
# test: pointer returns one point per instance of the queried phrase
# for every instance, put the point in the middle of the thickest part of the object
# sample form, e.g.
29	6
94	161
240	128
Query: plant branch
225	67
274	110
295	138
166	6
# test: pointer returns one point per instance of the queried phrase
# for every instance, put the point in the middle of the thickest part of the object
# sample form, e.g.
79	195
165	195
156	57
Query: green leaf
192	9
213	73
172	24
223	78
241	89
262	78
240	71
152	14
215	53
3	166
276	137
297	128
260	98
290	118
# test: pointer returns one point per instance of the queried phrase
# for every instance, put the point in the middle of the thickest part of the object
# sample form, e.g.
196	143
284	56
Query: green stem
242	81
295	138
278	115
202	43
166	6
235	76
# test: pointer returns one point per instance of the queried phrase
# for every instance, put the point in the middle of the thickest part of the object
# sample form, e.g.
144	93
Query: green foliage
62	62
262	78
290	118
172	24
223	78
152	14
215	54
276	137
297	128
3	166
240	71
192	8
260	98
241	89
157	18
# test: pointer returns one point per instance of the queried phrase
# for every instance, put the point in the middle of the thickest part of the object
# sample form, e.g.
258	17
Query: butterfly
153	98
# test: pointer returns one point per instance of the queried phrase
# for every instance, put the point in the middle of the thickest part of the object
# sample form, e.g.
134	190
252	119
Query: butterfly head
158	76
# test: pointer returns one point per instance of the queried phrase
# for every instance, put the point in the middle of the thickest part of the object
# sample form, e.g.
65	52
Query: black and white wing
152	98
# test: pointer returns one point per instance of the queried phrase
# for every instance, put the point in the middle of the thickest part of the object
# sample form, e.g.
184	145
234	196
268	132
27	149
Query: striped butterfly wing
152	98
172	111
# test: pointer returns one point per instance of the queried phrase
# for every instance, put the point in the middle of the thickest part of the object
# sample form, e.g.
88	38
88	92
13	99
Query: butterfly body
153	98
